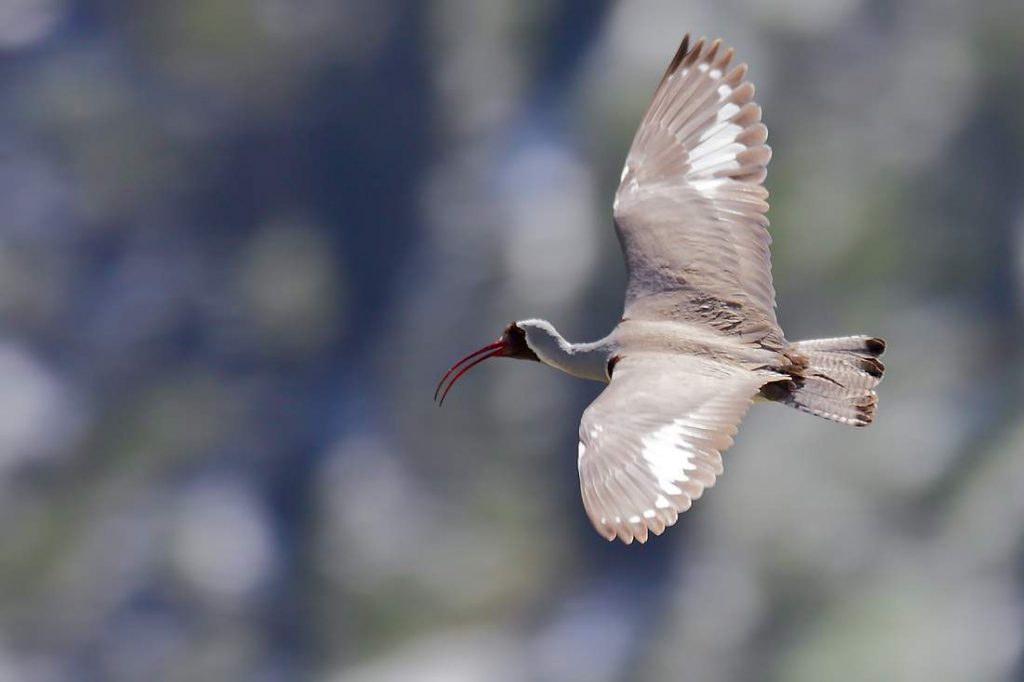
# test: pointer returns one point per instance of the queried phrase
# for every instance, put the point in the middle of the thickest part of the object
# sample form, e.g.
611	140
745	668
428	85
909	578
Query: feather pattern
690	209
651	443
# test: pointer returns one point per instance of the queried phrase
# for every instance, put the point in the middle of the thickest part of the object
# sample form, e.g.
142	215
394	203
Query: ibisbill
699	341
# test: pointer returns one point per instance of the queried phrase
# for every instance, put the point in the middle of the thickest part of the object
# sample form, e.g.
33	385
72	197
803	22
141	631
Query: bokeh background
241	239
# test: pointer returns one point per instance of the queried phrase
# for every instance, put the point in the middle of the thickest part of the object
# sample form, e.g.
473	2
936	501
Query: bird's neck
584	360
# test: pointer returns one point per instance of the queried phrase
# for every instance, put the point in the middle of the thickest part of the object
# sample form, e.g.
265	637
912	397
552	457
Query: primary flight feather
699	340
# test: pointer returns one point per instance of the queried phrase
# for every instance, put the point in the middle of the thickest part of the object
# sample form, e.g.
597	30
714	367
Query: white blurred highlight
481	655
24	22
223	545
375	517
38	416
551	236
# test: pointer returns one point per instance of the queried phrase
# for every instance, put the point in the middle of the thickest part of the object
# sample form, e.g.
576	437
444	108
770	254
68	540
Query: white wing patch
716	147
667	454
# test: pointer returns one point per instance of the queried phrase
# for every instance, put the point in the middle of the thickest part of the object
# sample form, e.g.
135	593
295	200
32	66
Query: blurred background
241	240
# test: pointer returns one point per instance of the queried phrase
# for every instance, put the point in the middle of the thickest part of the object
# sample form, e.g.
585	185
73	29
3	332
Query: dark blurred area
243	238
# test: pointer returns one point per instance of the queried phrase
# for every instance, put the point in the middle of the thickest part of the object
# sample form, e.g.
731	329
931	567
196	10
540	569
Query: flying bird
699	340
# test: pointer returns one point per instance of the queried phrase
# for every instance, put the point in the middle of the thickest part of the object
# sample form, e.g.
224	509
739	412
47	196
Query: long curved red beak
491	350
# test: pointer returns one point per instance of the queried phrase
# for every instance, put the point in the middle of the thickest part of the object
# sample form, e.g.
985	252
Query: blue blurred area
243	238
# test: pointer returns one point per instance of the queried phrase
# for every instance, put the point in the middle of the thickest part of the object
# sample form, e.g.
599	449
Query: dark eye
612	361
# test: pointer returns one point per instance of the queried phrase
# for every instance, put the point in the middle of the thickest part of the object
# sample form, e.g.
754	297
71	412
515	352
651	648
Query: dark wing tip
873	366
684	48
695	53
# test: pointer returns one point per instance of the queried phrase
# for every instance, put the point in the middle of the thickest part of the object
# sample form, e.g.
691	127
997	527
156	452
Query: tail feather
839	380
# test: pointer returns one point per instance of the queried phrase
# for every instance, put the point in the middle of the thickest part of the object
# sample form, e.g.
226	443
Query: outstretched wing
652	441
690	210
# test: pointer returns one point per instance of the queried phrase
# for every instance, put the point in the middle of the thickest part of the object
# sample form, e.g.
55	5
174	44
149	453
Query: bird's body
591	360
699	340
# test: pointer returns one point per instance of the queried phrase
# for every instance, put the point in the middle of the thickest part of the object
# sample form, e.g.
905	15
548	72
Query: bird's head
513	343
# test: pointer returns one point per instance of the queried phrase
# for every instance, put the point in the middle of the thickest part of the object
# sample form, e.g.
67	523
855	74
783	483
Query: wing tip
641	532
689	53
695	52
647	525
673	66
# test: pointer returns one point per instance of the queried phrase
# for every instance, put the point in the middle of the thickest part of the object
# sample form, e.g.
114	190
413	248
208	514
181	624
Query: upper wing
690	210
652	441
